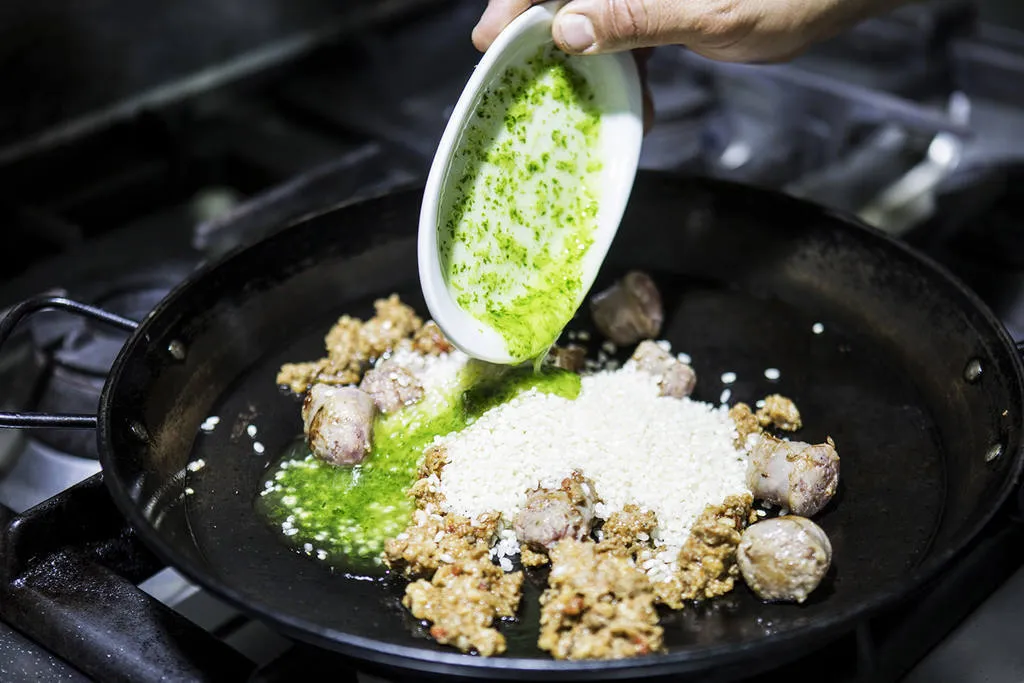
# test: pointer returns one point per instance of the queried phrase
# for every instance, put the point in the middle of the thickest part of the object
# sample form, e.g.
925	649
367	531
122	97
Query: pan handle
23	420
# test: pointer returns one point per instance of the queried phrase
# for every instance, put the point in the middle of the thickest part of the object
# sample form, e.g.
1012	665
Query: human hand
500	13
726	30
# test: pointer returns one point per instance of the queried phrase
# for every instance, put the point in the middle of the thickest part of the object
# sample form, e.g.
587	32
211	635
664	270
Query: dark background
1006	12
62	60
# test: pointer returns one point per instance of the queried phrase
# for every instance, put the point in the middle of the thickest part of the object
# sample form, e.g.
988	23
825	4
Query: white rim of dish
457	324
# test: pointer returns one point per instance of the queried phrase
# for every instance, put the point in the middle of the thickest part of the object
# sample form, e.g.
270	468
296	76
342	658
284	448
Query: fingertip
574	33
481	39
496	17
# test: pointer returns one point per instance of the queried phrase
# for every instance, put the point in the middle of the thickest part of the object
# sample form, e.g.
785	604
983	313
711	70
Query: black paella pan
915	380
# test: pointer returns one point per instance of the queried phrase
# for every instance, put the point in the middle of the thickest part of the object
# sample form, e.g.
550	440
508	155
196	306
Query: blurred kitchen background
140	139
64	60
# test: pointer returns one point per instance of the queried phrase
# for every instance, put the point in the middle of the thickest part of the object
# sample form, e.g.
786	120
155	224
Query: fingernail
577	32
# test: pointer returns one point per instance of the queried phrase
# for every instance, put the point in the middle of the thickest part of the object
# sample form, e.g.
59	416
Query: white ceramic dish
616	85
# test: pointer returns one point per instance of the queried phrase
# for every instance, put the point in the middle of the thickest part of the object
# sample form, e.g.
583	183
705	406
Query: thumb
595	26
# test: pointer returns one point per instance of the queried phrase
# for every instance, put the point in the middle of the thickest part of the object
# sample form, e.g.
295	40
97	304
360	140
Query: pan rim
463	665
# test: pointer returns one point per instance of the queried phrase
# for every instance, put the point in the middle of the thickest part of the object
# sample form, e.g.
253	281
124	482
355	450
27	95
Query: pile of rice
671	456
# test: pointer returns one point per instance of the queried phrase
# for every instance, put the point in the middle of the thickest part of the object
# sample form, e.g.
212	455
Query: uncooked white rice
671	456
438	374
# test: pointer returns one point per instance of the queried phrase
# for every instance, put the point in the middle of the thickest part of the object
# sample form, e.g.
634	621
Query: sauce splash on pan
344	515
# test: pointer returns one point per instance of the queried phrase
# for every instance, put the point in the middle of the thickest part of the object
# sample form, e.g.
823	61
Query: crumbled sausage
628	532
430	341
298	377
597	606
707	561
426	490
462	600
530	558
393	322
433	537
780	412
352	345
746	423
461	592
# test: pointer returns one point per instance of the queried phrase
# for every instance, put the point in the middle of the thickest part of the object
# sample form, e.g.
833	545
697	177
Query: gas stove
910	121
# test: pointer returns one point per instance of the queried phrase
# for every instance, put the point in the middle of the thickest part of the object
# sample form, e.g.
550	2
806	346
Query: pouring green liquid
519	221
345	515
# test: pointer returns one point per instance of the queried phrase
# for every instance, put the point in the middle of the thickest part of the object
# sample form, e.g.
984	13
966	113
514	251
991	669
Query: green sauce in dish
344	515
518	221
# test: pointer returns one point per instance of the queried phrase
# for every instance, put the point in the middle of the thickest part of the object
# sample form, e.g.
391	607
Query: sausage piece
391	386
572	357
784	559
553	514
676	378
338	422
629	310
793	474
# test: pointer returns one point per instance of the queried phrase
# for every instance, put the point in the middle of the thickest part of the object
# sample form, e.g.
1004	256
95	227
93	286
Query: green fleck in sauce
344	515
516	226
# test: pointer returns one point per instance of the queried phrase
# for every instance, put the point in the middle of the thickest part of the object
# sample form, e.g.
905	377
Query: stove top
911	121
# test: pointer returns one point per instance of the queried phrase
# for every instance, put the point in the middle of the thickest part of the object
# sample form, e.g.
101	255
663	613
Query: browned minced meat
339	367
434	539
352	344
429	340
529	558
746	423
462	592
597	606
462	600
392	322
780	412
426	491
434	461
300	376
628	531
707	561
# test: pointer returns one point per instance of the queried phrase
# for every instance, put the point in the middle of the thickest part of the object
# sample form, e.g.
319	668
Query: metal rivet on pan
994	452
176	349
972	373
139	430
